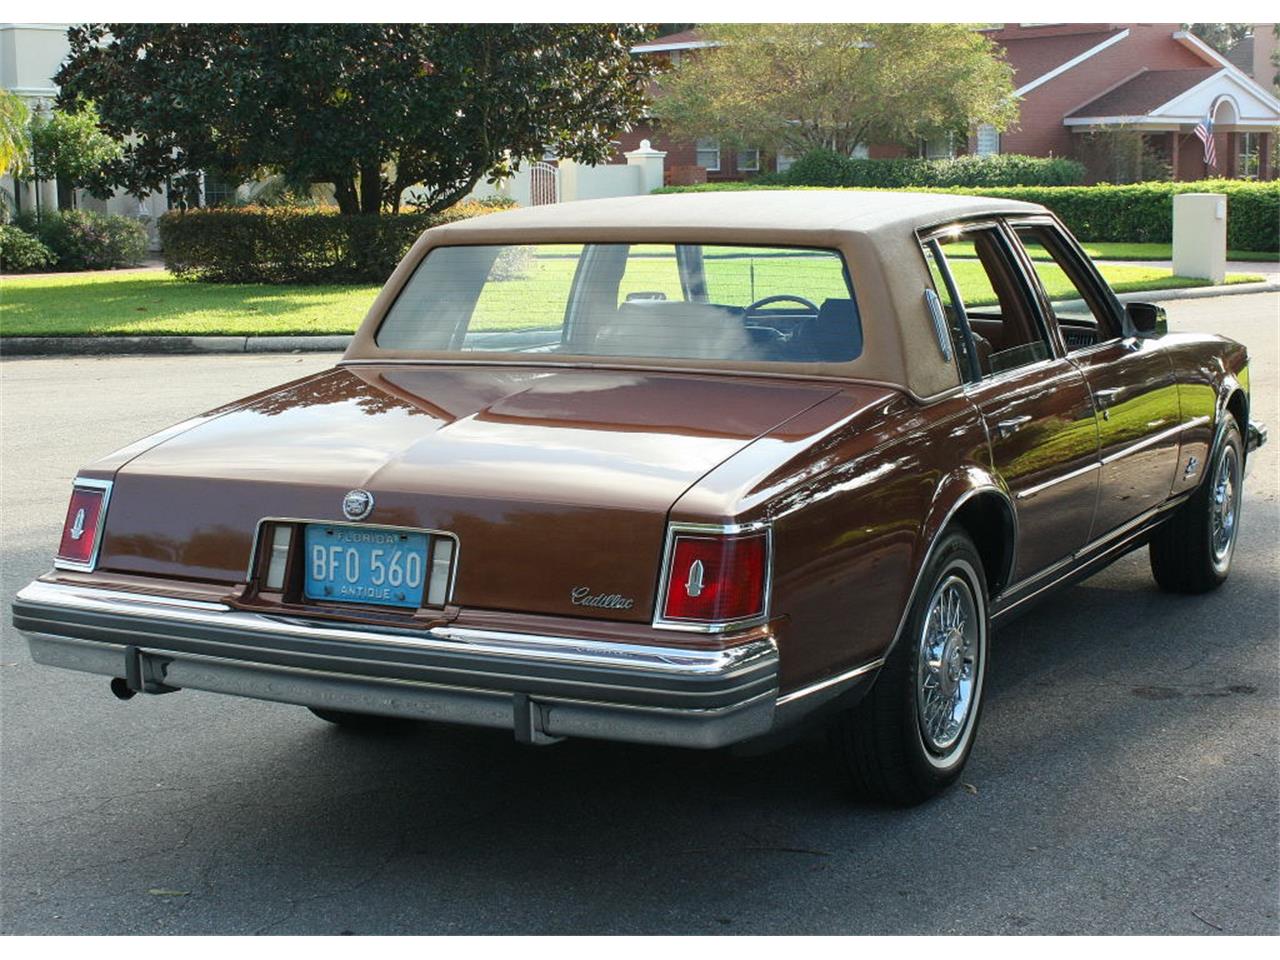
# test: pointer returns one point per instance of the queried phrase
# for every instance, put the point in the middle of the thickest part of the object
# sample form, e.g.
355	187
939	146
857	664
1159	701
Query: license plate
364	565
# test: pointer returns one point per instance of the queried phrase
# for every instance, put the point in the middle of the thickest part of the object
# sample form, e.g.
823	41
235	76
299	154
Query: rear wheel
909	737
1191	551
362	722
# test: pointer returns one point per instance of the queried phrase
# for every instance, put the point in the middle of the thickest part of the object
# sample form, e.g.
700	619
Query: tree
15	135
1221	36
70	149
803	86
370	108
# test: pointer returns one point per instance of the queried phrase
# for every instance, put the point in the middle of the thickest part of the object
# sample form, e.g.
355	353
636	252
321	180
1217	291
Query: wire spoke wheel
948	664
1224	506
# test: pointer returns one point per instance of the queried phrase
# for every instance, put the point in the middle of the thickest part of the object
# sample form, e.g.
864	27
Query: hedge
20	252
1129	213
84	240
827	168
294	244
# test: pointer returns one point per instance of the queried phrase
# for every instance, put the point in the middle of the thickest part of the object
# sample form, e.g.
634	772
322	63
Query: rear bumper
543	688
1255	436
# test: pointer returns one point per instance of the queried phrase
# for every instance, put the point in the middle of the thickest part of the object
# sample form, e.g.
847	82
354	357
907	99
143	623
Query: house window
1248	152
218	190
938	148
708	154
783	162
748	161
861	152
988	140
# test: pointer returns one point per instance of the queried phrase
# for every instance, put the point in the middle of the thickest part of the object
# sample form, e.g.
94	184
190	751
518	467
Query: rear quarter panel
853	510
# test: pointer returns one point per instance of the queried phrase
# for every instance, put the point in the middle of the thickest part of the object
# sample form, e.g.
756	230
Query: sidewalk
1268	269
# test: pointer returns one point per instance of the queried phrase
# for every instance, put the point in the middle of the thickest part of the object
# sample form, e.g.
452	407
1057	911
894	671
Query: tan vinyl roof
874	230
793	211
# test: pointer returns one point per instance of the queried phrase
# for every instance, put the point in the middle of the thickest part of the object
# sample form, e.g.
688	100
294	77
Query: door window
1069	287
988	306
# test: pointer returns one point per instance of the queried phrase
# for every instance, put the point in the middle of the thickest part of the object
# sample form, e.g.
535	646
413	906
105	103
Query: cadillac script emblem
357	504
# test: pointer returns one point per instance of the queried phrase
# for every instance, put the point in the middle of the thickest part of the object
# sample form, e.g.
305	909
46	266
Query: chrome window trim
720	626
91	564
939	322
457	544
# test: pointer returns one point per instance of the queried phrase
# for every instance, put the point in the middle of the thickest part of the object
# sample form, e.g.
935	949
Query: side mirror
1146	320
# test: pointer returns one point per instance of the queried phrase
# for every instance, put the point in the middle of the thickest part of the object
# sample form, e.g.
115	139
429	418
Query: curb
1197	293
143	346
122	346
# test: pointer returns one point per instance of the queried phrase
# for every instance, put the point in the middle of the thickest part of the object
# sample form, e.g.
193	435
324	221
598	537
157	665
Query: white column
651	163
1200	236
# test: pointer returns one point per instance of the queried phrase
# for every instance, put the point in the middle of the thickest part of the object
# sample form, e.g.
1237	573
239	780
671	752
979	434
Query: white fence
538	182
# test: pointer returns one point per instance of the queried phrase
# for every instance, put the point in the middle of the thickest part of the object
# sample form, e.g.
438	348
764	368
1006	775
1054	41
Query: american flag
1204	130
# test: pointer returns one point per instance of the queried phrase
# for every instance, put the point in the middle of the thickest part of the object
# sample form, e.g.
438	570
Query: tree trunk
371	187
344	191
66	194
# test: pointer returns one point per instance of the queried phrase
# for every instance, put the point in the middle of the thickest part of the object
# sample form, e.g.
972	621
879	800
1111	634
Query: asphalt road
1125	777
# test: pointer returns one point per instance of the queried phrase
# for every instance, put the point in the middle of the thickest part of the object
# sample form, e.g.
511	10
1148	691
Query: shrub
827	168
82	240
20	252
294	244
1133	213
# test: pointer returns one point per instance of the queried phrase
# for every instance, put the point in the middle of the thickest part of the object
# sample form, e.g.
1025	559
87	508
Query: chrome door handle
1007	428
1107	397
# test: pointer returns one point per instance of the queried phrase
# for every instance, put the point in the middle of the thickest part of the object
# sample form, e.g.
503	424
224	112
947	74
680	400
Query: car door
1131	379
1035	403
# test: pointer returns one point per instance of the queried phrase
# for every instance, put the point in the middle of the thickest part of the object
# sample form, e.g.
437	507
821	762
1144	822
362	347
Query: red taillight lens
80	531
716	578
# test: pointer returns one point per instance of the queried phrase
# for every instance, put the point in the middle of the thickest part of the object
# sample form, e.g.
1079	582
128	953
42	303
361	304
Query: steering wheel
780	298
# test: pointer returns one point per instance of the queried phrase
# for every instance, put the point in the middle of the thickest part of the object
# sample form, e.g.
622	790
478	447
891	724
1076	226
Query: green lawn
151	302
1128	251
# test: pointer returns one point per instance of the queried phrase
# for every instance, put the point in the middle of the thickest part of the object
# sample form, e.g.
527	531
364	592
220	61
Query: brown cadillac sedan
683	470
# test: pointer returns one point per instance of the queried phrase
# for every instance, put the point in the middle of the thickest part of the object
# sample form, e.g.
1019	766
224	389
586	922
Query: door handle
1105	399
1007	428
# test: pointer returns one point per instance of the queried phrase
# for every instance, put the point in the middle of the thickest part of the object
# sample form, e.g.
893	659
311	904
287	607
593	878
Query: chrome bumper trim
543	688
492	643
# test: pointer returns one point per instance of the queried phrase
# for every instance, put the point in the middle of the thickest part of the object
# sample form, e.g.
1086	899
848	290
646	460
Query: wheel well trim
988	487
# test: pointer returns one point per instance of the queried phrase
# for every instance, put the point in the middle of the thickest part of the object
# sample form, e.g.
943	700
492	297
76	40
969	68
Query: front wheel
909	737
1191	551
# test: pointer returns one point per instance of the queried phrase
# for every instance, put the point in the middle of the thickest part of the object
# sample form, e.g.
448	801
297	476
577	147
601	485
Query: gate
543	183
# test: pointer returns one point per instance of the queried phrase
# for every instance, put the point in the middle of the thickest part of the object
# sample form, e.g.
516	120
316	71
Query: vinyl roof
786	211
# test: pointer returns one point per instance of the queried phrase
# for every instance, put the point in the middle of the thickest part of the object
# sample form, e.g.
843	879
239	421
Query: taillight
716	578
82	529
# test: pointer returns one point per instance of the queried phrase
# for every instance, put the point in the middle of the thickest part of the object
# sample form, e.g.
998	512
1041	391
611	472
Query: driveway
1125	780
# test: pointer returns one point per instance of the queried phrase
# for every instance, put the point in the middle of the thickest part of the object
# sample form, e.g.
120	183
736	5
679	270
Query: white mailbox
1200	236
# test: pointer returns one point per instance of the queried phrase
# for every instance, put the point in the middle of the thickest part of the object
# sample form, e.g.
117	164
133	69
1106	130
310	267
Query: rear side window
630	300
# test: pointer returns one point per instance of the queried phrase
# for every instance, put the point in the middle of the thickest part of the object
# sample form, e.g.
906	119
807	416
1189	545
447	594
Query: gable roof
1168	98
1144	93
1036	59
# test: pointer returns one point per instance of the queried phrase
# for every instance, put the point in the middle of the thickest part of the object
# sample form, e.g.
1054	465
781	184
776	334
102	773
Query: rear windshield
684	301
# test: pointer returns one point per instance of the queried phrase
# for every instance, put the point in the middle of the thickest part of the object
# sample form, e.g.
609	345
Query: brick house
1077	86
